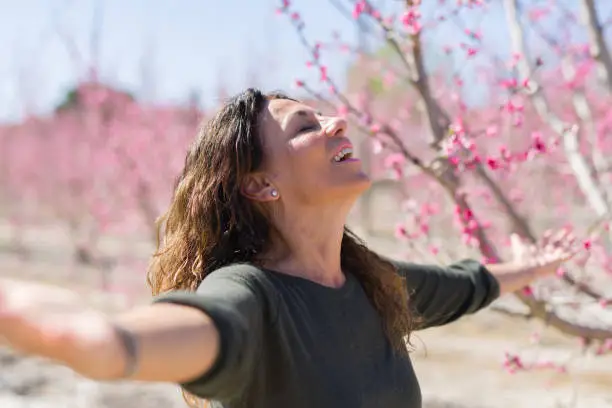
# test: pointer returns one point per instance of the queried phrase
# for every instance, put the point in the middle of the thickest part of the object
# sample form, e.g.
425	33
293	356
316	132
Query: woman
264	298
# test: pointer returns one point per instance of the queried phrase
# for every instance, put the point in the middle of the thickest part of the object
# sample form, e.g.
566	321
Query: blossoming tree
528	154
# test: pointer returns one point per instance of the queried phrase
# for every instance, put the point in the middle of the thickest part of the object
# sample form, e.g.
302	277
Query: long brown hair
210	224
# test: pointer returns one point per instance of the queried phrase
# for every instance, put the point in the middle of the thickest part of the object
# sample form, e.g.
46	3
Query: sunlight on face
308	155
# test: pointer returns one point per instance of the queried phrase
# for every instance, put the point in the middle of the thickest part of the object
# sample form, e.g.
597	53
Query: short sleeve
240	311
441	295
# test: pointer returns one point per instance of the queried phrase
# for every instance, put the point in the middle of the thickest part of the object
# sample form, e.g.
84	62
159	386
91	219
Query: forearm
173	344
511	276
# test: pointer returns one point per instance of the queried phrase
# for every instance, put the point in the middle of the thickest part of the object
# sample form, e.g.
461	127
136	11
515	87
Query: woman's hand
545	257
52	322
531	262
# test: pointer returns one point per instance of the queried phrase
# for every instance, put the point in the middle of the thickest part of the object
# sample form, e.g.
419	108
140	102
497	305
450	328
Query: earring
274	193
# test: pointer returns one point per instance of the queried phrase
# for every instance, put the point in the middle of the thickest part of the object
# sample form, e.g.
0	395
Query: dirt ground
459	365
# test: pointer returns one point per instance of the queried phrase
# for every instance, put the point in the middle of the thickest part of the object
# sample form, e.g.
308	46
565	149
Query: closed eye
308	128
306	120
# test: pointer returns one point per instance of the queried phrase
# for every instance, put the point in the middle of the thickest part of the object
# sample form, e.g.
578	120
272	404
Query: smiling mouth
343	155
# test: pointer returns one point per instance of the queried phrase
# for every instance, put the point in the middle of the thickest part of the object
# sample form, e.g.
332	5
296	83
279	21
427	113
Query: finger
546	237
569	241
518	248
533	251
575	248
568	252
561	239
561	234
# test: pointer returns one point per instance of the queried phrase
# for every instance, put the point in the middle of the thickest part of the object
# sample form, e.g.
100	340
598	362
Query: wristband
130	347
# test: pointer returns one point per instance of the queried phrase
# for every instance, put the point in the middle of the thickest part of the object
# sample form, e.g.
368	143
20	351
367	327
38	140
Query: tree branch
601	54
538	308
569	133
598	49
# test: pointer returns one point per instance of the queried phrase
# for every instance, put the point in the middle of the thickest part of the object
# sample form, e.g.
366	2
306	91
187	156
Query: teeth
343	153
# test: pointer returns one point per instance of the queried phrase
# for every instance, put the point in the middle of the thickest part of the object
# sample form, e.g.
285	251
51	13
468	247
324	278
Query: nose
335	126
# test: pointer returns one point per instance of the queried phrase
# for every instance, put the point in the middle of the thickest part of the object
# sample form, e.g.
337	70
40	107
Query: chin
364	180
347	184
357	185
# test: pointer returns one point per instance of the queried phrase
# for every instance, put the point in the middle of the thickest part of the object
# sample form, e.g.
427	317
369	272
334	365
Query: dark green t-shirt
287	342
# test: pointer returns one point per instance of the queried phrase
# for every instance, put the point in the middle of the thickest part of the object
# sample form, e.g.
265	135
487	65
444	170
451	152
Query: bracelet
130	347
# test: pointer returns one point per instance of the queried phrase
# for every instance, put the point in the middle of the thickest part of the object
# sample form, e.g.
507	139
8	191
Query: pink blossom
492	131
430	209
342	111
377	145
475	35
508	83
359	8
395	160
538	142
400	232
323	71
525	83
492	163
538	13
410	20
389	79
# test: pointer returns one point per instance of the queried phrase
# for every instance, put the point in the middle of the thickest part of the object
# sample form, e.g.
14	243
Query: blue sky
183	44
162	49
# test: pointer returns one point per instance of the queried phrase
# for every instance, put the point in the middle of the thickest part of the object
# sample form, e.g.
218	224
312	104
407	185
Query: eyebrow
298	113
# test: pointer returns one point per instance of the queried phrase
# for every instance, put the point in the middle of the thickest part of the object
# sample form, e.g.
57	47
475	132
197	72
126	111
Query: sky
162	50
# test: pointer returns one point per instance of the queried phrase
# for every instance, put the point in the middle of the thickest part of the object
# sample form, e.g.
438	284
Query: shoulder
245	278
245	274
407	268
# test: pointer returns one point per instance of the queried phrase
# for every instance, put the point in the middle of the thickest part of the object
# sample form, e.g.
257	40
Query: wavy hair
209	223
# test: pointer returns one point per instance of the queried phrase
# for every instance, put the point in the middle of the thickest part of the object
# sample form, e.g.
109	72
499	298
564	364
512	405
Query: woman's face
309	158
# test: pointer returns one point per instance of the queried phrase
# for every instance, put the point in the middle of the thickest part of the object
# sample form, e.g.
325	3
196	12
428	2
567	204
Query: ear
256	187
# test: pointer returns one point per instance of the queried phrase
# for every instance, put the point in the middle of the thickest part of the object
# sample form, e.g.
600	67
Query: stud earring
274	193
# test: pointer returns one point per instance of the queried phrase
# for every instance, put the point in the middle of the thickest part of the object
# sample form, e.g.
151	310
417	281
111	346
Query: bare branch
438	119
598	49
569	132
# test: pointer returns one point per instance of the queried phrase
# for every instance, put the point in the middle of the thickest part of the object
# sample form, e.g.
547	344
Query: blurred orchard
467	139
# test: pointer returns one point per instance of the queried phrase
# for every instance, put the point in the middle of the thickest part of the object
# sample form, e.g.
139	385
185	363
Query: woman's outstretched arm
56	324
173	343
207	340
442	294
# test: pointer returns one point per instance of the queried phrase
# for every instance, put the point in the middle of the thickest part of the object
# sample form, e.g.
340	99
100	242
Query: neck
310	243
